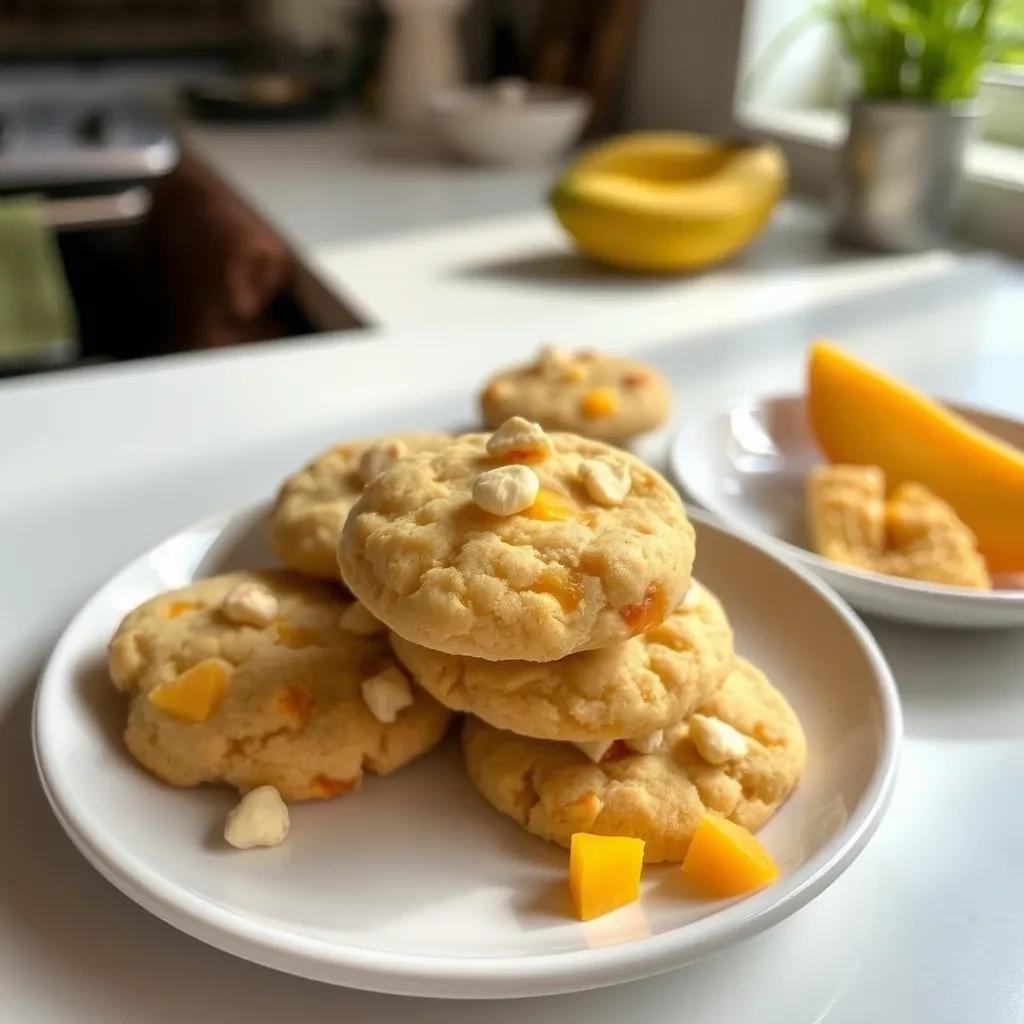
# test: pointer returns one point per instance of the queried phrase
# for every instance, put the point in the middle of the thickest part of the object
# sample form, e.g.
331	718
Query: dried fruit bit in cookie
250	604
175	609
647	612
599	402
325	787
519	440
295	637
357	619
506	490
294	703
605	482
717	741
724	859
604	873
386	694
259	819
551	507
196	693
562	587
379	457
635	379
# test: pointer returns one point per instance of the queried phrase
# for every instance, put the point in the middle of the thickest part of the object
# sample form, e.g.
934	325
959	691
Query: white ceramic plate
749	464
413	885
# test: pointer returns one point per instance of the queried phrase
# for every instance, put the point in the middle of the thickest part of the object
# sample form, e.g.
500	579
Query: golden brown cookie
594	394
257	678
311	506
740	756
628	689
590	547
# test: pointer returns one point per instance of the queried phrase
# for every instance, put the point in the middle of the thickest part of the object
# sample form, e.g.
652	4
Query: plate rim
418	974
818	563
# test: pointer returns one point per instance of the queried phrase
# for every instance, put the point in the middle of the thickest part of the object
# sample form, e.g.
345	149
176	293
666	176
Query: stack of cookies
541	583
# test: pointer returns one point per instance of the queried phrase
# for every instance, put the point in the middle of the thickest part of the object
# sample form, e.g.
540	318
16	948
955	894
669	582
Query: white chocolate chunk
522	436
694	594
717	741
250	604
356	619
378	458
605	482
386	694
553	360
260	818
646	744
594	749
506	490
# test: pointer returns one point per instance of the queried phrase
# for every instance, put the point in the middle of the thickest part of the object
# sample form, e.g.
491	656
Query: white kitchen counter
99	464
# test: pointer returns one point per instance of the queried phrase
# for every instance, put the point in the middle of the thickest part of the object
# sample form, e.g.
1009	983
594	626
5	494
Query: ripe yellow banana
662	201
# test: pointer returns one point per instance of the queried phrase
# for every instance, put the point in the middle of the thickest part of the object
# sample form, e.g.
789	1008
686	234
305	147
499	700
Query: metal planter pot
900	173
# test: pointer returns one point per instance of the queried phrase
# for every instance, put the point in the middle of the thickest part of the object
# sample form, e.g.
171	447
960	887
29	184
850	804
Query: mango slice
196	693
604	872
175	609
861	416
724	859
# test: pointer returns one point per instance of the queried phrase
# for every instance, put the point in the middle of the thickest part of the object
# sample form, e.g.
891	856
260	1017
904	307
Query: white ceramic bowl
414	885
508	124
748	464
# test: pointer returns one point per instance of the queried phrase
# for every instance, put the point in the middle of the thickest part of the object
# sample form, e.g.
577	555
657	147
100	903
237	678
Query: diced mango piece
326	787
864	417
647	612
724	859
604	872
599	402
294	703
175	609
196	693
562	587
295	637
551	507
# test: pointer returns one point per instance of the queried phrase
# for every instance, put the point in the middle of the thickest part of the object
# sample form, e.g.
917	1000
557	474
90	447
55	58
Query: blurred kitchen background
176	174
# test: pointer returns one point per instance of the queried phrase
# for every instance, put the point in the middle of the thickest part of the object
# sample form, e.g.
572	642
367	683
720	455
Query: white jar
422	54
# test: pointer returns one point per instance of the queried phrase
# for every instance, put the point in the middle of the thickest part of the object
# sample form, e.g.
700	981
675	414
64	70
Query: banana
660	201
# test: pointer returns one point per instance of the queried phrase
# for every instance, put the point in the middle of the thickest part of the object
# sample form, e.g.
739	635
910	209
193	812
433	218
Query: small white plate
749	465
414	885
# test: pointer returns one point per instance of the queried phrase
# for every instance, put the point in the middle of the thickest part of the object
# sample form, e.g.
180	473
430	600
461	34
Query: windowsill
994	171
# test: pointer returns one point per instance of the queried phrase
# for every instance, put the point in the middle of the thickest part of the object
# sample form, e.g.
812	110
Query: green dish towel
37	315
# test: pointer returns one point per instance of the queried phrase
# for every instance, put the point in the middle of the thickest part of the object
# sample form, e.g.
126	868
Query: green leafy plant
931	50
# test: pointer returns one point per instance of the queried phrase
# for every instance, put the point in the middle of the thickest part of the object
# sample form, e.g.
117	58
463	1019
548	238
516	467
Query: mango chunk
175	609
292	636
648	611
604	873
551	507
599	402
196	693
863	417
724	859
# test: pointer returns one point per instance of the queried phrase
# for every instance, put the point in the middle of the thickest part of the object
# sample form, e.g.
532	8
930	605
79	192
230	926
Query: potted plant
918	64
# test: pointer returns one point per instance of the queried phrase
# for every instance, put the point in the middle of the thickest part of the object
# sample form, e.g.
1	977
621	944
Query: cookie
553	789
249	678
532	553
629	689
607	397
311	506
